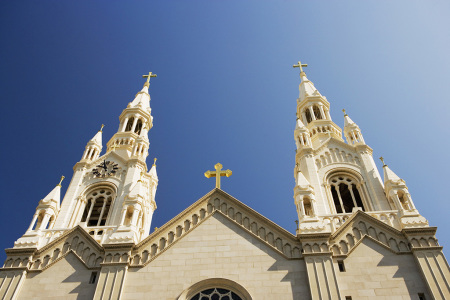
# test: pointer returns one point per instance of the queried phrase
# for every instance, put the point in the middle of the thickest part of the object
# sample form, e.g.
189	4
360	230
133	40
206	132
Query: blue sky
225	92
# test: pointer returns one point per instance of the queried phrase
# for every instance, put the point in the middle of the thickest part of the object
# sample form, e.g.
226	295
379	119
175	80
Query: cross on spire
218	173
150	74
300	65
382	160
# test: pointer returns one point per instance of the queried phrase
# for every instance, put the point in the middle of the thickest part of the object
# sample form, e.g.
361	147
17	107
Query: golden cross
382	160
101	129
154	161
345	114
150	74
300	65
218	173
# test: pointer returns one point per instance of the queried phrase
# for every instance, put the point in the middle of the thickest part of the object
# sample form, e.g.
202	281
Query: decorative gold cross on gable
300	65
150	74
218	173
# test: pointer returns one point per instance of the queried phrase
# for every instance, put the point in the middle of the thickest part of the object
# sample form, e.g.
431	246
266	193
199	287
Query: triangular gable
76	241
217	201
361	225
339	143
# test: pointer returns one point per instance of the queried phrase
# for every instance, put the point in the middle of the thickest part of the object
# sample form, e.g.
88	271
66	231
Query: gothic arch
102	194
346	190
220	283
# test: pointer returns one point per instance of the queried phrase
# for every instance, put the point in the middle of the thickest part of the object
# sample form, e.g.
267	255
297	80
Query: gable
69	275
214	202
219	248
361	225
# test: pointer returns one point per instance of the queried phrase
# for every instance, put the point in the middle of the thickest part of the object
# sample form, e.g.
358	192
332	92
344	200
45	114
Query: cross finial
154	161
382	160
345	114
300	65
101	129
218	173
113	147
62	178
150	74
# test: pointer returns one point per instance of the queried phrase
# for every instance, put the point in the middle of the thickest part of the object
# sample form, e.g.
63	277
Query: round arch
220	283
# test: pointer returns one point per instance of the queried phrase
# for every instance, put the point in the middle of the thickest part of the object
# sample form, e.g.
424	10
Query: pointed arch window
97	207
346	194
129	124
138	127
317	113
308	116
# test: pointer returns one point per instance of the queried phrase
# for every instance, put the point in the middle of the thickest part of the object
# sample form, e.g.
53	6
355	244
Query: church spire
135	122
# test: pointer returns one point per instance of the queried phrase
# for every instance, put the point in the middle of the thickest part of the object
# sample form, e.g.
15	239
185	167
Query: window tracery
216	294
317	113
308	116
346	194
97	207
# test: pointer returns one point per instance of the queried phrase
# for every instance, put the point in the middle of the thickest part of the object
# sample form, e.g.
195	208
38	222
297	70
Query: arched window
97	207
215	289
308	207
345	194
308	116
138	127
316	111
129	124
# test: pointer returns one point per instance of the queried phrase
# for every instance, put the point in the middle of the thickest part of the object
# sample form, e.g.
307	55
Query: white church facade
359	235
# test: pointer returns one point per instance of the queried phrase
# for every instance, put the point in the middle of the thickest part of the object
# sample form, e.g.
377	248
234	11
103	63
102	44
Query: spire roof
53	196
389	175
306	87
142	99
348	121
152	171
97	139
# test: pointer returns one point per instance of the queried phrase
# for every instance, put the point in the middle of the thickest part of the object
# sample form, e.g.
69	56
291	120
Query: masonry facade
359	235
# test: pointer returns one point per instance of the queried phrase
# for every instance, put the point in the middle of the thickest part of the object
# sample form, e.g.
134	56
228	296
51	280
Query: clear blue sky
225	92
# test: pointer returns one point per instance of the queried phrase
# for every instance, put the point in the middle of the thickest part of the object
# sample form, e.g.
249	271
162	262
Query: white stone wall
67	279
218	248
372	271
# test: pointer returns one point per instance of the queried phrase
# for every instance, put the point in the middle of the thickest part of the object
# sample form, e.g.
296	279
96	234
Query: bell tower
334	179
111	196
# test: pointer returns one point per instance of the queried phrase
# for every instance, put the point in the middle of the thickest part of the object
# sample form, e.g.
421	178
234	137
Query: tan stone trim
330	254
420	231
364	216
429	248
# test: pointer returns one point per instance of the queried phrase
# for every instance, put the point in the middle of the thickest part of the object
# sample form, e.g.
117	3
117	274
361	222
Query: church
359	235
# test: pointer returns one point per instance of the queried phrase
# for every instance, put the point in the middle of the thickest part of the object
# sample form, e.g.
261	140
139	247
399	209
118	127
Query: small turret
352	132
396	190
302	135
304	197
47	210
93	147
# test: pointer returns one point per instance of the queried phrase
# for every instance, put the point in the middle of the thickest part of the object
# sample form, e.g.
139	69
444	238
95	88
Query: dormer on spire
352	132
93	147
304	198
